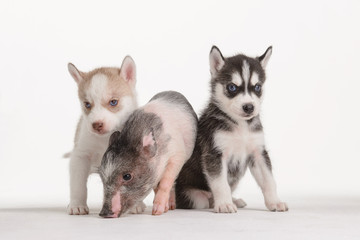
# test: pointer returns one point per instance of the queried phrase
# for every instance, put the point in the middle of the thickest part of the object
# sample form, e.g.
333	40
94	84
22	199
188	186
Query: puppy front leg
218	183
260	168
79	173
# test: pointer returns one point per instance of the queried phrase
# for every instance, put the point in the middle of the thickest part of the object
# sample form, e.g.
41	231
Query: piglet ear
128	70
114	137
149	145
265	57
216	60
75	73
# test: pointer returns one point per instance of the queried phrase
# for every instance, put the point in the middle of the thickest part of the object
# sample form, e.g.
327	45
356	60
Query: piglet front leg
164	193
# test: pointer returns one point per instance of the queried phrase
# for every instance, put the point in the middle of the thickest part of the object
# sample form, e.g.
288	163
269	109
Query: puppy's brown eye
87	104
113	102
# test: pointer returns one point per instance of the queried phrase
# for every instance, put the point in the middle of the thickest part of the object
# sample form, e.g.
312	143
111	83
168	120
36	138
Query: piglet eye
127	177
257	88
113	102
87	104
231	87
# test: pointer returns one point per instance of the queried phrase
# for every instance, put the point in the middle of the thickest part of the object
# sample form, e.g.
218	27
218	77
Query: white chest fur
91	146
239	143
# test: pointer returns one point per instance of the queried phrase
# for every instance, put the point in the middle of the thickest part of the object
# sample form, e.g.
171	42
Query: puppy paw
277	207
76	209
225	208
239	202
138	208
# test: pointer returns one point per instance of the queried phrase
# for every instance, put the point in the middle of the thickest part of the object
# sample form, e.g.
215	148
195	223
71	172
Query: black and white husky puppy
230	139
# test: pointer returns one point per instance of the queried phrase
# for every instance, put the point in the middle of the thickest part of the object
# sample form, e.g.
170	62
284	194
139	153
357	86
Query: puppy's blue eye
231	87
113	102
127	177
257	88
87	104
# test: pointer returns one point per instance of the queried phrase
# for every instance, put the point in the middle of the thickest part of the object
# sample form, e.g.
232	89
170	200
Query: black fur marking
215	47
234	172
213	161
239	90
182	201
250	161
263	56
265	154
191	176
255	124
214	118
251	89
205	155
235	64
233	167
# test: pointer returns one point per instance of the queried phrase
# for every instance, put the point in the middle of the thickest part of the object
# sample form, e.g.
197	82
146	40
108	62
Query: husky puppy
230	139
107	98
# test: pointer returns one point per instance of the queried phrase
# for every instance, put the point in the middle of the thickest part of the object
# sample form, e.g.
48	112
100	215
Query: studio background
310	112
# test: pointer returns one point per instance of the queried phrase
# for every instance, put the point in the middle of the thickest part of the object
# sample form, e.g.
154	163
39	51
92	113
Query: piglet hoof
172	202
225	208
77	209
138	208
167	207
172	205
158	209
239	202
277	207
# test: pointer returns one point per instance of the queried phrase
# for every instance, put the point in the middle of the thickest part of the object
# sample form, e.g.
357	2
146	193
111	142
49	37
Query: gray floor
308	218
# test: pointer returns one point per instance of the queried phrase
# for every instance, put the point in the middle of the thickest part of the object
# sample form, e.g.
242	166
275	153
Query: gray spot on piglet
176	98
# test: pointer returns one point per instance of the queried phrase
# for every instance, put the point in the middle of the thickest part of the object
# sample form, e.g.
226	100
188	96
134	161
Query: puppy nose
248	108
98	126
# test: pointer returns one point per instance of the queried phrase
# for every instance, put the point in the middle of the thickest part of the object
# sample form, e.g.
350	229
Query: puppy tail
67	155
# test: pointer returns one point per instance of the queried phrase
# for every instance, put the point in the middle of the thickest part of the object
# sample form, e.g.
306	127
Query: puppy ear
216	60
149	145
128	70
75	73
263	59
114	137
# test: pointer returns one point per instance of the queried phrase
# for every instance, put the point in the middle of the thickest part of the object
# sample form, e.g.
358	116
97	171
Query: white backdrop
310	112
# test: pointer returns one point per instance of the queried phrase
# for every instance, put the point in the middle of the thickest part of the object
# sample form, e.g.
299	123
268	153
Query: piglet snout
106	213
115	209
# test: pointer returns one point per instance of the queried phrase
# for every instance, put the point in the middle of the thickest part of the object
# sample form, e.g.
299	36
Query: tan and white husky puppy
107	98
